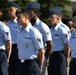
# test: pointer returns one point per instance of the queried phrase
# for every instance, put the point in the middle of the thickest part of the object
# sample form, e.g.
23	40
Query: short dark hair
24	11
74	13
36	11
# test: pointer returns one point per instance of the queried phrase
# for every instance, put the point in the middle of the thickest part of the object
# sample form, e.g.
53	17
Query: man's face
33	14
12	11
70	24
53	19
74	20
33	19
21	19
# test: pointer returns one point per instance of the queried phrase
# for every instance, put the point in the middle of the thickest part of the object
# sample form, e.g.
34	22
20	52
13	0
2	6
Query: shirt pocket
28	43
27	40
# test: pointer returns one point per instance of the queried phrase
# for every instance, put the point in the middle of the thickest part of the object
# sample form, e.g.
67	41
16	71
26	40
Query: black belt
58	52
2	50
73	58
14	44
28	60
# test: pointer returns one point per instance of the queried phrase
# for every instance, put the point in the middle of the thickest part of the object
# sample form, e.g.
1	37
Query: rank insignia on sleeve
68	32
39	40
6	33
47	33
65	35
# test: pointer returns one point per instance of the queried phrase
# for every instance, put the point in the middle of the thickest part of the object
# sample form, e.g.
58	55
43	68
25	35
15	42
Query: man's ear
26	16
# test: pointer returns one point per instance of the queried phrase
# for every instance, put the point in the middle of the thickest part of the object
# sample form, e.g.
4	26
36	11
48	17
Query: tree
47	4
22	3
3	9
4	6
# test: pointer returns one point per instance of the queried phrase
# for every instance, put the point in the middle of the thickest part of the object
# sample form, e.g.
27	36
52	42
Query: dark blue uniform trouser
72	70
3	63
28	67
57	64
13	62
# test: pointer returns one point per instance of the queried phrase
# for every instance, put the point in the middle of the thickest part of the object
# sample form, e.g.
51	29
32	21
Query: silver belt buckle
22	61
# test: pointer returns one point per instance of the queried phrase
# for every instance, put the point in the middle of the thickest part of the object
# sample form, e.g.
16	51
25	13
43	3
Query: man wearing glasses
60	49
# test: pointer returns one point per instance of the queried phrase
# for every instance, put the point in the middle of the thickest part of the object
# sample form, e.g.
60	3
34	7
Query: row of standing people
36	46
32	40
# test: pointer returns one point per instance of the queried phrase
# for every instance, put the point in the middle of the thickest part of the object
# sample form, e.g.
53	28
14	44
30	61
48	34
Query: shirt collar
60	22
28	27
56	27
37	21
15	20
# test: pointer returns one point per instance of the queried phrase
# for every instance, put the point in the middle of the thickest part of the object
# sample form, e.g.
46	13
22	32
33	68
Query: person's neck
12	18
25	25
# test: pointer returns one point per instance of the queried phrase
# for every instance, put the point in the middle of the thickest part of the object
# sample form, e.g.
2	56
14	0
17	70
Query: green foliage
3	9
4	6
22	3
45	6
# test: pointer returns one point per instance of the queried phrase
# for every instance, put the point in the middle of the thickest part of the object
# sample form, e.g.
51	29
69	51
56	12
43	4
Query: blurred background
69	6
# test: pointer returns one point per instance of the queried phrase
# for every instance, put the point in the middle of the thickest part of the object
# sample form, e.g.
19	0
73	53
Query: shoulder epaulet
62	25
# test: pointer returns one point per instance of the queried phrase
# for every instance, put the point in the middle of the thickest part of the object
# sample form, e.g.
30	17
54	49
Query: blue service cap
56	10
33	5
14	5
74	13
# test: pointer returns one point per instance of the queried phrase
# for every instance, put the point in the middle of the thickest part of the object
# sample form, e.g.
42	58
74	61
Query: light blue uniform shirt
73	44
67	28
59	37
44	30
14	27
29	41
4	35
